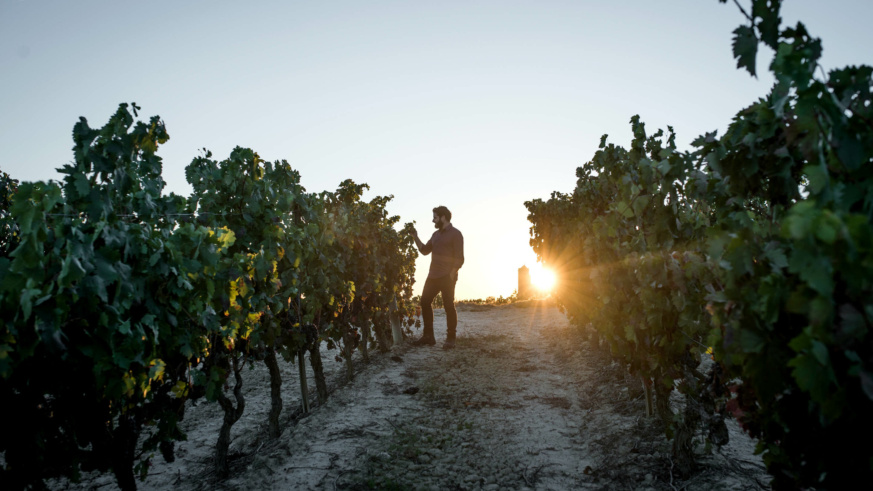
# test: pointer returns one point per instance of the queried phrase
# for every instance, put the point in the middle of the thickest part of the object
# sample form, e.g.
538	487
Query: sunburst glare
543	279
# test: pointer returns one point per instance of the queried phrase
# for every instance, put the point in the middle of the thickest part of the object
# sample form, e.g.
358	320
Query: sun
543	279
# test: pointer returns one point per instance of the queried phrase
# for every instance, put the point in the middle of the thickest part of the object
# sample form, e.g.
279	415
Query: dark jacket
447	246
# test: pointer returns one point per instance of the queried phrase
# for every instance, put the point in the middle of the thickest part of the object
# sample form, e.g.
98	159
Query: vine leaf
810	375
852	323
867	384
745	46
768	26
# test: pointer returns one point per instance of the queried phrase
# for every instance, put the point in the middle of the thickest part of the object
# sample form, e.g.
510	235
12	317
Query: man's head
441	217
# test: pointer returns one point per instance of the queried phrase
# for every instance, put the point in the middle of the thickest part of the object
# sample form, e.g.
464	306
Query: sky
475	105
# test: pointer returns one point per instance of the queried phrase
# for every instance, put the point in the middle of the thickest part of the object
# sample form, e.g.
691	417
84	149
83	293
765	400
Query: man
447	245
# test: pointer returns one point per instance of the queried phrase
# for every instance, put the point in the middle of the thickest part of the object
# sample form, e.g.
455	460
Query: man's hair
442	211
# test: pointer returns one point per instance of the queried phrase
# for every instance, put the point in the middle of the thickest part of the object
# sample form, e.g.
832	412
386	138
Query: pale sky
475	105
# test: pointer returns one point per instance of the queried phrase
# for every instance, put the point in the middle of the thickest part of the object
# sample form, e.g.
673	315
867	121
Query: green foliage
119	303
255	201
793	239
772	228
373	261
8	228
94	299
626	248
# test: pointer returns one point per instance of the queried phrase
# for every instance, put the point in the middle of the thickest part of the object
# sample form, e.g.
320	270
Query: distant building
525	290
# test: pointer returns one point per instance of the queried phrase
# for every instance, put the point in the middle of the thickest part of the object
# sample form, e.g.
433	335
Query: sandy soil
521	403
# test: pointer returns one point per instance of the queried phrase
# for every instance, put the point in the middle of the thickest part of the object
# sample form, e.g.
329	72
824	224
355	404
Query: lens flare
543	279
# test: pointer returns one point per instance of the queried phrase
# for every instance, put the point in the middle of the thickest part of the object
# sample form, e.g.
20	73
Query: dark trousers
446	286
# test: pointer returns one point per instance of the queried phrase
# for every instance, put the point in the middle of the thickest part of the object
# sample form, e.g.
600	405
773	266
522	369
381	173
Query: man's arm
458	250
424	248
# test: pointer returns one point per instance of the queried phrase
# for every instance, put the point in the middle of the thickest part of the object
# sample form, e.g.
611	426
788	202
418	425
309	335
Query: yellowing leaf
156	369
225	239
129	384
180	389
234	291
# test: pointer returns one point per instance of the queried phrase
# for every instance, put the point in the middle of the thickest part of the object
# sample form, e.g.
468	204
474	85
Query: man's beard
438	225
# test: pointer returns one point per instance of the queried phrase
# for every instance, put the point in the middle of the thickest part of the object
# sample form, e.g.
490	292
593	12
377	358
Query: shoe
422	341
449	344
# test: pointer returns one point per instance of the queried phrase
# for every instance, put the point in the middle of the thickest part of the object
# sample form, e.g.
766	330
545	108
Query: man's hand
418	243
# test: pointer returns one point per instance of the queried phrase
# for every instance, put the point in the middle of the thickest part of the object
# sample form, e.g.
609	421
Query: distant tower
524	288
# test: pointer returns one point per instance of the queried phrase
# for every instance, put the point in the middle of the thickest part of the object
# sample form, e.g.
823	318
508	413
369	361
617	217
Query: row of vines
755	248
120	303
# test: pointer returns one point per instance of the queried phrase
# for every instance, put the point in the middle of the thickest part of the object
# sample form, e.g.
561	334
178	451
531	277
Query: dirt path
521	402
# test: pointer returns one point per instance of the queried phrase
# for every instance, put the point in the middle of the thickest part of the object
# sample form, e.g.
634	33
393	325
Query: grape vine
120	303
756	243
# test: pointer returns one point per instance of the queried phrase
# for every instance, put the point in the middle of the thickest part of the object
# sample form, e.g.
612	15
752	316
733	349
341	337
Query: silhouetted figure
447	246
